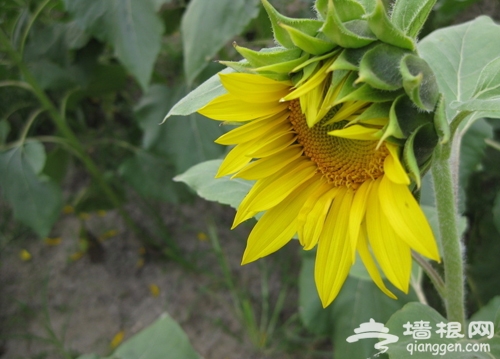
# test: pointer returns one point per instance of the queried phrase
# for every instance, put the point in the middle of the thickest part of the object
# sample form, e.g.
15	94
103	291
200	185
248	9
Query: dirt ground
89	300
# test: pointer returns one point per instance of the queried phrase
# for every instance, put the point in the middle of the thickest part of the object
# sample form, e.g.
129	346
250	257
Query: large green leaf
358	302
458	55
187	140
163	339
36	201
201	178
407	347
208	25
130	26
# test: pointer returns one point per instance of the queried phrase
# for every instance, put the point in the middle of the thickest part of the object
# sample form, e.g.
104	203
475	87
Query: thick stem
446	203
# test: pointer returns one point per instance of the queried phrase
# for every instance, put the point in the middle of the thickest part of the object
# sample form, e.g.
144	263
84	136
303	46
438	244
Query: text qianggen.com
443	348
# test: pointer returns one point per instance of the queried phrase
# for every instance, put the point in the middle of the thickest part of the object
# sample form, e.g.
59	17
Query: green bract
375	56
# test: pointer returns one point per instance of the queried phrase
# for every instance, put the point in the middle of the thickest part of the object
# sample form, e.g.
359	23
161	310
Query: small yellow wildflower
52	241
154	290
202	236
25	255
117	339
76	256
108	234
68	209
101	213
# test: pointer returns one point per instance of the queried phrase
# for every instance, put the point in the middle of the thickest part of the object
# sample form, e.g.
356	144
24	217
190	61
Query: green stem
434	276
446	203
67	132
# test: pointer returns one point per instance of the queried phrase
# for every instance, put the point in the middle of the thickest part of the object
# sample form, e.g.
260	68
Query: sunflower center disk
343	162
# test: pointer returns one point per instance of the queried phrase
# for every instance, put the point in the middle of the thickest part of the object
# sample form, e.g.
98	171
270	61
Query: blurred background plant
84	85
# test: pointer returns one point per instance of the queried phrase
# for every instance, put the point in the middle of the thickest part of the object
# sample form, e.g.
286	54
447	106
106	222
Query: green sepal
239	66
392	129
367	93
386	31
245	67
410	161
348	85
409	117
284	67
376	110
440	121
307	72
310	44
348	10
379	67
350	34
424	142
270	56
349	59
410	15
316	59
321	7
368	5
419	82
307	26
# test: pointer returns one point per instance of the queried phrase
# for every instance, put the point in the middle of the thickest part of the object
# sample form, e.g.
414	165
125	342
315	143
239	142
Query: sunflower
336	132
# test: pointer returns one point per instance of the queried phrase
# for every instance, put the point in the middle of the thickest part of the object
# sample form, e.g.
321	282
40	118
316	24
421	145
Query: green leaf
36	201
490	312
201	178
488	83
208	25
131	27
406	346
159	3
170	138
410	15
458	55
162	337
150	175
358	301
199	97
34	153
488	108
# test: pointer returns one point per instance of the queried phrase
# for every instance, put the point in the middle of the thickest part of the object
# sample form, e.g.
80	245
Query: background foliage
84	85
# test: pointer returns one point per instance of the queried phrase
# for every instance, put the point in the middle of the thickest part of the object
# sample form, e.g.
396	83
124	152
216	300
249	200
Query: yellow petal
253	129
278	225
358	209
254	88
357	132
393	167
406	218
230	108
268	146
235	160
370	265
312	83
315	220
348	108
393	254
268	166
333	259
270	191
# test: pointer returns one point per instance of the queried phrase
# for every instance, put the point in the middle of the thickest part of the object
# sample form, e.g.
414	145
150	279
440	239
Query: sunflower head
339	122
